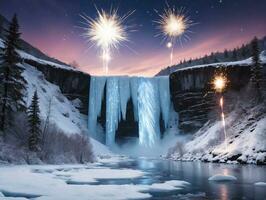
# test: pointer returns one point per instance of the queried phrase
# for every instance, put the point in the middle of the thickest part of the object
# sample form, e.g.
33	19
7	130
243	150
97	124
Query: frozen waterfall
150	98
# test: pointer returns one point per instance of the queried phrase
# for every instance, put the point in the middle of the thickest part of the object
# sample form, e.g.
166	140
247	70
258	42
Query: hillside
237	54
28	48
64	111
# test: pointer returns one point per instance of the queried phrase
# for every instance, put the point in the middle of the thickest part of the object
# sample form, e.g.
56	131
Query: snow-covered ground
65	182
245	140
63	112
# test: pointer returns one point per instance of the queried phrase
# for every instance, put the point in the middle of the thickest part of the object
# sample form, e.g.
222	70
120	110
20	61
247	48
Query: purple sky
52	26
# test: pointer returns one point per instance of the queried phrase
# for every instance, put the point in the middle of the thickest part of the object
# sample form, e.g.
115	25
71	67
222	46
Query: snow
67	182
100	149
150	96
91	175
64	113
220	177
260	184
245	142
169	185
27	56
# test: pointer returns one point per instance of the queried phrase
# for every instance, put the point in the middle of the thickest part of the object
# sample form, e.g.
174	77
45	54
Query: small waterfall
150	97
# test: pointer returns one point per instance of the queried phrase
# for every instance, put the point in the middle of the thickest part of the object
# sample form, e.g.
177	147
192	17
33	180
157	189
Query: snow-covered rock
221	177
260	184
169	185
245	140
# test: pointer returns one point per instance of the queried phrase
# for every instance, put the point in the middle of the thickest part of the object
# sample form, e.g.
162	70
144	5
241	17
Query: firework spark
219	84
106	32
174	25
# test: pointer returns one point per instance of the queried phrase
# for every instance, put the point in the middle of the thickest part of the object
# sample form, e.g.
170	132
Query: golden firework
174	25
106	32
219	83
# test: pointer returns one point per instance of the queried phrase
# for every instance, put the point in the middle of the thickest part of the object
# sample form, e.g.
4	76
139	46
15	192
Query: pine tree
12	82
257	70
226	53
34	124
234	55
243	51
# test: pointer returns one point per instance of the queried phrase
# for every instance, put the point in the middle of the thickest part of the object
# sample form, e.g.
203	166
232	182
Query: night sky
53	27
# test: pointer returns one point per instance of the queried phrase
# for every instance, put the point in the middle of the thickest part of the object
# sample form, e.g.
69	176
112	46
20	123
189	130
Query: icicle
95	103
149	112
112	109
134	84
124	90
165	100
150	96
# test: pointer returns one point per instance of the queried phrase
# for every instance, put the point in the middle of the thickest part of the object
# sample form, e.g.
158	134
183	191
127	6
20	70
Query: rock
220	178
193	96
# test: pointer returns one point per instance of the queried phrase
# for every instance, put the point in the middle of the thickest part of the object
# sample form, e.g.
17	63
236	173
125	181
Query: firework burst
174	26
219	83
107	32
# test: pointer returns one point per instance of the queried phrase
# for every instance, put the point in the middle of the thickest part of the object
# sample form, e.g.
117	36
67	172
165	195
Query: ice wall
150	97
148	112
97	85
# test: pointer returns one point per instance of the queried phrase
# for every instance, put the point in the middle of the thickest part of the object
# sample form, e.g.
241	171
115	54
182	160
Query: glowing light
174	25
106	32
169	45
221	102
219	83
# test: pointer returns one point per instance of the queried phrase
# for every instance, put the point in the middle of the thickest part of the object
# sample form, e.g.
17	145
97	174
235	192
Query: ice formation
148	111
95	102
150	97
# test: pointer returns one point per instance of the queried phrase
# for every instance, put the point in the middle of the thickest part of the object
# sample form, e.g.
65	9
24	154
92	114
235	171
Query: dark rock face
194	98
73	84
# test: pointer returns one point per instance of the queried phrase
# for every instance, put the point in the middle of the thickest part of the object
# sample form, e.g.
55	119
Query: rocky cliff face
194	98
73	84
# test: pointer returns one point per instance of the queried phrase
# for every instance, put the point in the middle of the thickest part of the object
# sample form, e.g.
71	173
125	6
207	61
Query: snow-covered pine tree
34	124
12	82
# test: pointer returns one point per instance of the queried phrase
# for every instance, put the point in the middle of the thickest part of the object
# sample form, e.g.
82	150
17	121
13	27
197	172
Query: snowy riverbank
245	140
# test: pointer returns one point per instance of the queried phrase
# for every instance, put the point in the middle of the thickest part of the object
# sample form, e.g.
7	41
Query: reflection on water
197	173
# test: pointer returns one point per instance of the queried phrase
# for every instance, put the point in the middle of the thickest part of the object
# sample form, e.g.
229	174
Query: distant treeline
238	53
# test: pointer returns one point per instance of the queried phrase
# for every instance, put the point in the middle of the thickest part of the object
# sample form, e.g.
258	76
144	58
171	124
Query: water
196	173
